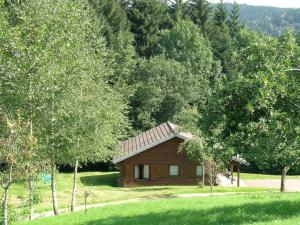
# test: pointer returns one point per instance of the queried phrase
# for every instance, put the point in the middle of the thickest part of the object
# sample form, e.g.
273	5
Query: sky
276	3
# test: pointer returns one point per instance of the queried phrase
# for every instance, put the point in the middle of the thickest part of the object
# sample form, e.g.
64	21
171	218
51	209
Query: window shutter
146	172
136	172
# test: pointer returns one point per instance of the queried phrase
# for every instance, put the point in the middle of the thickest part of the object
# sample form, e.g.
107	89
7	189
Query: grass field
103	188
259	209
253	176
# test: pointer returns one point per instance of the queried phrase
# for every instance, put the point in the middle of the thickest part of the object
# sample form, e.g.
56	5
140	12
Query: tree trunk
74	187
231	170
5	197
30	197
238	175
211	178
283	175
203	174
5	207
53	189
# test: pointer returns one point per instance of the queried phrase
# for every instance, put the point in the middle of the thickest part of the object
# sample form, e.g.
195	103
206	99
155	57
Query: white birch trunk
203	174
73	203
5	207
53	189
30	197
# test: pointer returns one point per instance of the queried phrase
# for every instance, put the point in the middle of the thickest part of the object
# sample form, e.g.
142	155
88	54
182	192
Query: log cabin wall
159	158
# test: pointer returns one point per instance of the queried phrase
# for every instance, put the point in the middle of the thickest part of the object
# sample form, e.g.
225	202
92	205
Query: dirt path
80	208
292	185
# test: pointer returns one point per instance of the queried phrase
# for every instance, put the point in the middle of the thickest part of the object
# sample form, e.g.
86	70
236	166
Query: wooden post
238	175
231	170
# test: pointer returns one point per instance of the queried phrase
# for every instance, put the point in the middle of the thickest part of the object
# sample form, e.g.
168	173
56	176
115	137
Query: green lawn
103	188
259	209
253	176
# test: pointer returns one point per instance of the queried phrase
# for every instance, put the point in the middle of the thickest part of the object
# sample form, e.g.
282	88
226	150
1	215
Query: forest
77	77
269	20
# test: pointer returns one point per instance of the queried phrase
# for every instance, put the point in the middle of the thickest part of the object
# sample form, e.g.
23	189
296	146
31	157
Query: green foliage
161	93
181	75
268	20
121	53
298	38
220	15
220	38
188	118
147	18
257	112
185	44
234	22
177	9
196	149
199	12
114	16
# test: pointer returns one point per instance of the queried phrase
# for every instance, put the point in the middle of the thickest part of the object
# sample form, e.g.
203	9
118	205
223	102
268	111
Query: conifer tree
220	15
147	18
234	22
113	16
219	35
199	12
118	38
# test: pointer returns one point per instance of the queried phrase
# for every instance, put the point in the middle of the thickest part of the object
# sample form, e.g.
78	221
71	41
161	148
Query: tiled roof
150	138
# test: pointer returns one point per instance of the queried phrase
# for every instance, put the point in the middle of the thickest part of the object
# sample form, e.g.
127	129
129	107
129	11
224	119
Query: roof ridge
172	126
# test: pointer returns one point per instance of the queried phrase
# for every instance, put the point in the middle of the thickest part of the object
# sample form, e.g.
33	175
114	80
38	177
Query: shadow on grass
154	188
100	180
249	213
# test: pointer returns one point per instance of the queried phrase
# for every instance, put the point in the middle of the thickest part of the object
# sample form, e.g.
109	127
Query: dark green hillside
270	20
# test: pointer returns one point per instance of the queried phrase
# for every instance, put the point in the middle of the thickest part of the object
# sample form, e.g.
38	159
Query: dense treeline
269	20
77	77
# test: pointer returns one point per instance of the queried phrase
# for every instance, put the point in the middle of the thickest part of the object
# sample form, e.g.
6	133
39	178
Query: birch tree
96	120
11	156
47	48
97	123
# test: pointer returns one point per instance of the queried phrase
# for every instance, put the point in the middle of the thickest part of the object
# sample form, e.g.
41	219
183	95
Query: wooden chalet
153	158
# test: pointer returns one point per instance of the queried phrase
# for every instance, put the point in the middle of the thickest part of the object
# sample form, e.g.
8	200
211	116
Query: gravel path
291	185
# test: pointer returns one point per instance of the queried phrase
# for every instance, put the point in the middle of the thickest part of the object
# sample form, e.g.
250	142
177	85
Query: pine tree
234	22
199	12
147	18
118	38
219	35
220	15
113	15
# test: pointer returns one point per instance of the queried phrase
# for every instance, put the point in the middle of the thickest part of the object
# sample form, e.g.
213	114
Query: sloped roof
239	160
149	139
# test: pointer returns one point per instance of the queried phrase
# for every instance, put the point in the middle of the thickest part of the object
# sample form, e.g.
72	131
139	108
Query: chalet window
174	170
199	170
141	171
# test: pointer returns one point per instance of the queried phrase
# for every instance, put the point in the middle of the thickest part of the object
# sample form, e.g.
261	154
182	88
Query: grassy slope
103	188
259	209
